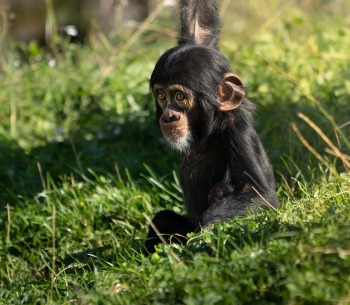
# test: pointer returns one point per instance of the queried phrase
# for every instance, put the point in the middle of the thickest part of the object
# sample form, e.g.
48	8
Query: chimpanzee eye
181	99
161	95
180	96
161	98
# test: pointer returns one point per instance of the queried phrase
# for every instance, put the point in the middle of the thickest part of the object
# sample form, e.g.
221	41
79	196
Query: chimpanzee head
192	84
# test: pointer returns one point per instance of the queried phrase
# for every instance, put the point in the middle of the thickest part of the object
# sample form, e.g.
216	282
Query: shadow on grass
104	149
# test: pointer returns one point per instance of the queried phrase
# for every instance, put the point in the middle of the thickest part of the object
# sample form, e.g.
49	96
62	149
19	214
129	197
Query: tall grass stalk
335	151
13	118
312	150
53	271
50	22
43	183
8	230
177	258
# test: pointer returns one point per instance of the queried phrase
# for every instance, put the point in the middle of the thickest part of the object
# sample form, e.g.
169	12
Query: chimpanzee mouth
179	139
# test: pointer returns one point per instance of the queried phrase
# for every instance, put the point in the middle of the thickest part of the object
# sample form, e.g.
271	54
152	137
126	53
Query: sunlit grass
82	163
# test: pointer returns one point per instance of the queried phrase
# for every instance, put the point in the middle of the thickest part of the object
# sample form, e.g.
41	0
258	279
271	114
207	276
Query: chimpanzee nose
170	116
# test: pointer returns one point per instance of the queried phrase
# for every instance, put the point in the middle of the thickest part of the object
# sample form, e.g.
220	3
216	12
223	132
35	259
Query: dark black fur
226	159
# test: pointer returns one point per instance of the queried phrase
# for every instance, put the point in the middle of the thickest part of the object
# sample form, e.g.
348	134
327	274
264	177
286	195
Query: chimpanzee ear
230	92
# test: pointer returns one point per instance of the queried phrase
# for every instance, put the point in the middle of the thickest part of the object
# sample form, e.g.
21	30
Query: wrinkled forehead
172	89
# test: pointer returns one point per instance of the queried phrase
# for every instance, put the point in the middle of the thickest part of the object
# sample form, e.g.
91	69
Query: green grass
82	162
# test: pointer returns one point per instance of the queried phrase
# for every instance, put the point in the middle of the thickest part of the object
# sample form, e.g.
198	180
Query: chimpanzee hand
218	192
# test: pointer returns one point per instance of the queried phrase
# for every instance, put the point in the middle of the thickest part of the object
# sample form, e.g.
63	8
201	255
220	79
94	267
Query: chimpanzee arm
248	183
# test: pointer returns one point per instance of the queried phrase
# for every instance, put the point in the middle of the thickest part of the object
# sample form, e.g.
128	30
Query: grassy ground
82	165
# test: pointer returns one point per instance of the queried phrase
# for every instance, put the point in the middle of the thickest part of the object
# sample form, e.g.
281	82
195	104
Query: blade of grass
286	183
224	6
51	24
335	149
41	176
268	204
9	275
331	152
144	26
288	163
13	117
312	150
53	275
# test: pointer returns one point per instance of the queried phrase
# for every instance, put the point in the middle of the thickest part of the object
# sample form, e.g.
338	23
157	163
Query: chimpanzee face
176	102
179	108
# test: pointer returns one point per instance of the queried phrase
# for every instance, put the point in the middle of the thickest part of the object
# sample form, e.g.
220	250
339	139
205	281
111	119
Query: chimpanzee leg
172	227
